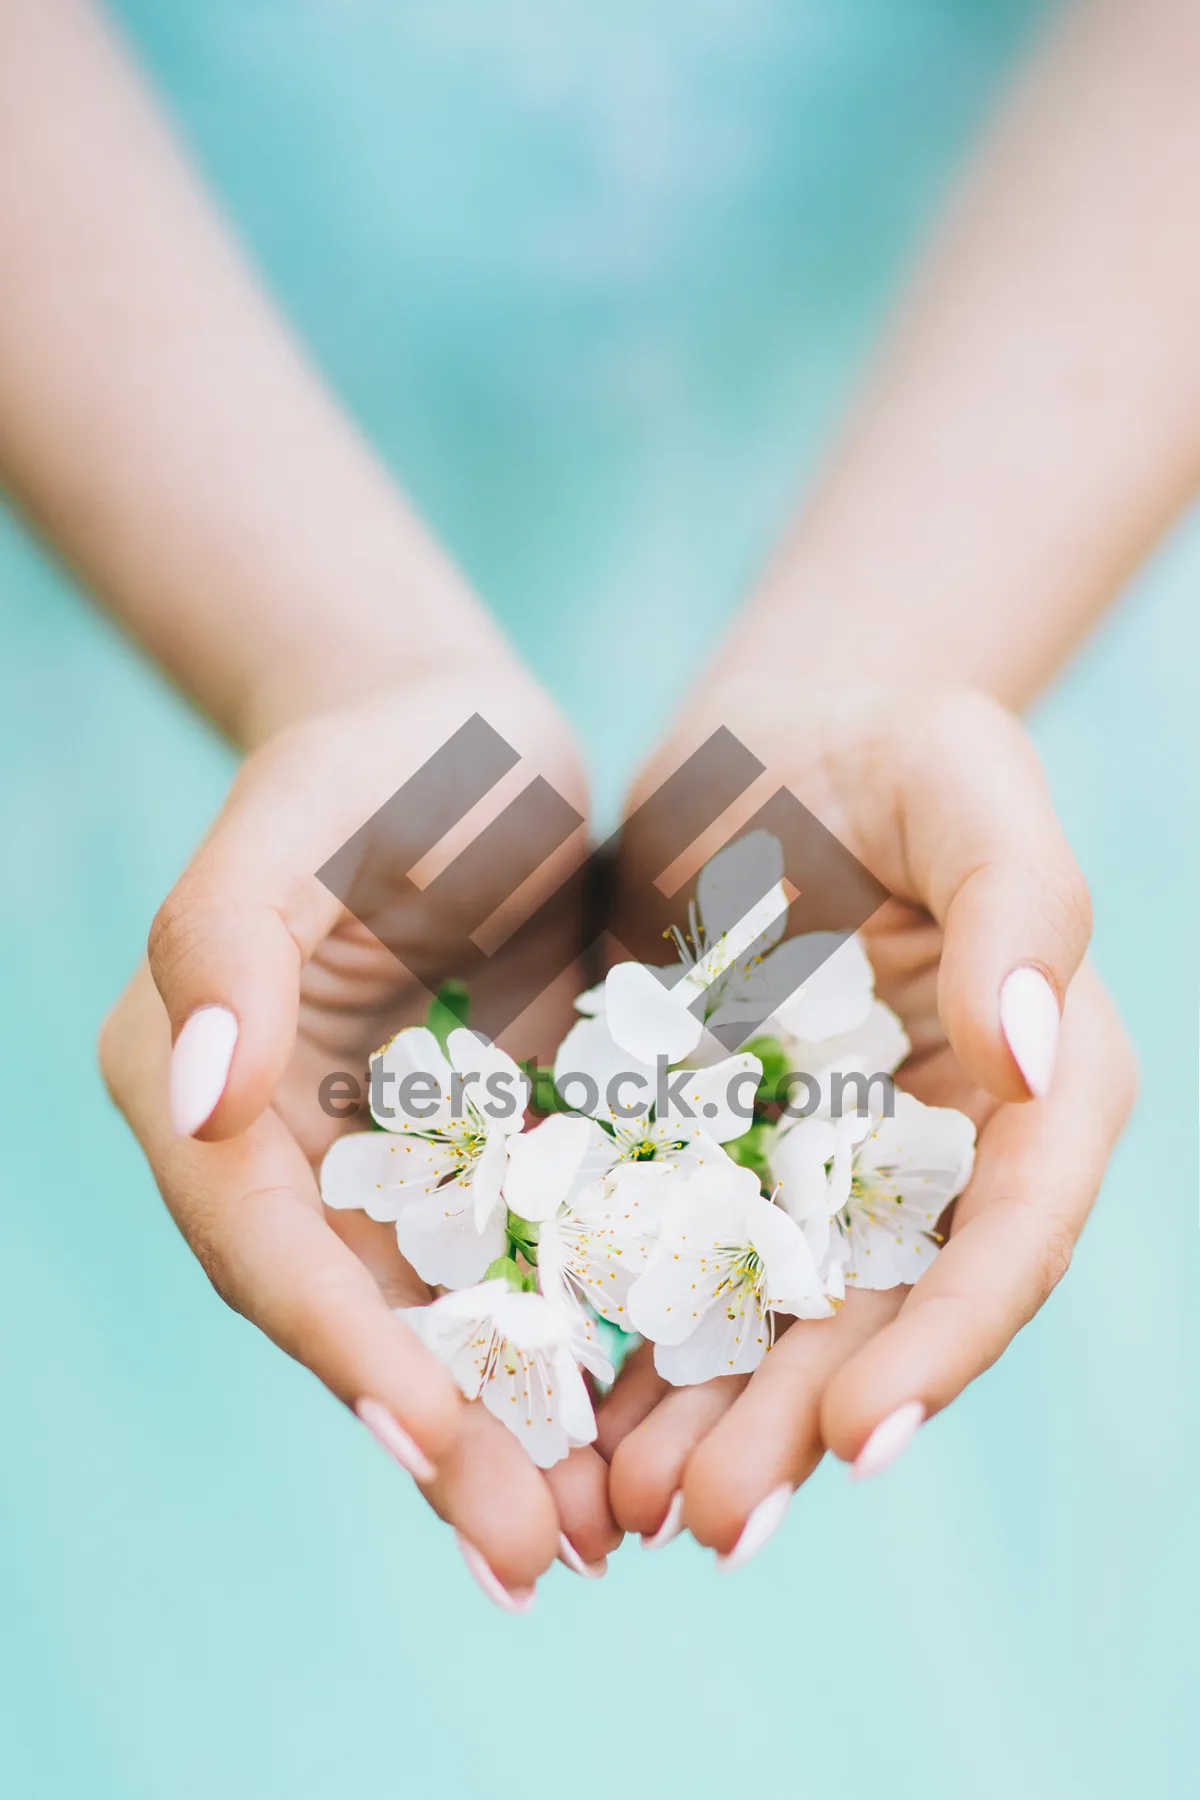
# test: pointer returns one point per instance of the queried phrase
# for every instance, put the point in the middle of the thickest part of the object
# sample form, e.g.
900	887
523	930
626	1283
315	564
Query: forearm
1034	425
159	425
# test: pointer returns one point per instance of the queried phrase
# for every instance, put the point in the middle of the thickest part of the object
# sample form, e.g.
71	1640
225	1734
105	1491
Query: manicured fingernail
519	1601
759	1528
888	1439
200	1066
570	1555
392	1437
1030	1019
671	1526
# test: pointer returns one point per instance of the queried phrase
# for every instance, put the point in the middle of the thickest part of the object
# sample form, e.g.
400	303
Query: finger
250	1210
589	1532
648	1465
636	1392
1037	1173
500	1506
982	848
228	944
770	1437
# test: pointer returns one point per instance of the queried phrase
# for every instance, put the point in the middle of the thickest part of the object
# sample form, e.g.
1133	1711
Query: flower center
465	1139
743	1280
871	1195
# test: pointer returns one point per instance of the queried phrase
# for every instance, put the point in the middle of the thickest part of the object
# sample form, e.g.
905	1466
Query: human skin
1032	429
1029	436
160	427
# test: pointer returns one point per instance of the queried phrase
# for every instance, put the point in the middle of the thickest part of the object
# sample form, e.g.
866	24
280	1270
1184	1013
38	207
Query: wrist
372	651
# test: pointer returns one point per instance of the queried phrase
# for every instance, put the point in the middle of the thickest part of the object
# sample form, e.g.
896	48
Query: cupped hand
940	794
307	992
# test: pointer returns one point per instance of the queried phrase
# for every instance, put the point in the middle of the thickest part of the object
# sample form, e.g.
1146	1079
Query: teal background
596	280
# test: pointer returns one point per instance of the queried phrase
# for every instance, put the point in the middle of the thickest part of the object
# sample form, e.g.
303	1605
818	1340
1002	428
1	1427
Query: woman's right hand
234	1130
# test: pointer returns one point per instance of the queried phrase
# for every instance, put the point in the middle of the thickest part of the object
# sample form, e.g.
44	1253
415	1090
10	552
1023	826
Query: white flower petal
574	1401
544	1163
909	1170
457	1328
793	1281
533	1385
486	1178
705	1212
563	1293
836	997
603	1239
589	1051
437	1234
413	1051
731	882
673	1293
374	1172
708	1094
499	1092
930	1149
648	1019
723	1343
798	1156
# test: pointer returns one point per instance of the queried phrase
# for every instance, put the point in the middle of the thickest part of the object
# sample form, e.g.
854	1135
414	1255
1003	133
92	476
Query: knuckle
202	1227
1066	902
1052	1247
217	1266
954	716
1126	1076
1055	1259
175	934
108	1054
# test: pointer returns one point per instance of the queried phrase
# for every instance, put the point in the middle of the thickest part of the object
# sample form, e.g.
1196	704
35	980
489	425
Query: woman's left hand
941	795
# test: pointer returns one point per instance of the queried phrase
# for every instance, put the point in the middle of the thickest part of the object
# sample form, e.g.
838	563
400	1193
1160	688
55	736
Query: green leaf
505	1269
750	1152
543	1093
774	1059
449	1008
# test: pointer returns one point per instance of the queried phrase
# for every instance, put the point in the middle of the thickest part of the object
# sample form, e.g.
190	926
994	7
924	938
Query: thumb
228	944
990	860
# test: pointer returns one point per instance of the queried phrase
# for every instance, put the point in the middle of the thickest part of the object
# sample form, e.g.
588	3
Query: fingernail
383	1426
570	1555
1030	1020
888	1439
671	1526
200	1066
759	1528
519	1601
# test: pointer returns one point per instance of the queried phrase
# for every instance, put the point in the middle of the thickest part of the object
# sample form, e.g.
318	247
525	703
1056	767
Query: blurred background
596	280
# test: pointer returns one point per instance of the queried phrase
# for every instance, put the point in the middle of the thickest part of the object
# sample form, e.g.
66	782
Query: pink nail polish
888	1439
671	1526
519	1601
392	1437
568	1554
200	1067
759	1528
1029	1018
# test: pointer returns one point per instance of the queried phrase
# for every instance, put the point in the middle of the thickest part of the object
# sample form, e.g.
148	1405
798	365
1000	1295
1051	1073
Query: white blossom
726	1262
437	1169
512	1351
868	1189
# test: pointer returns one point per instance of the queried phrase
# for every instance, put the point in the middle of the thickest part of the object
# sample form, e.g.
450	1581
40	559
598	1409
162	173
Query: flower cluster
673	1191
